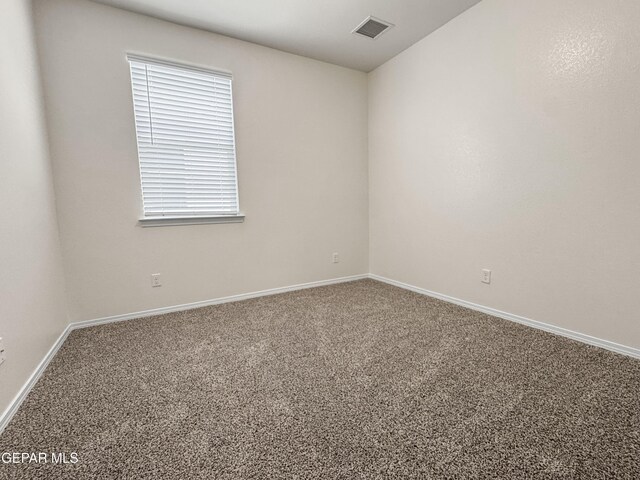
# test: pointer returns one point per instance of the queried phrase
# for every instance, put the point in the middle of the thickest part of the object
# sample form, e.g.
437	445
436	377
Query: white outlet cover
155	280
486	276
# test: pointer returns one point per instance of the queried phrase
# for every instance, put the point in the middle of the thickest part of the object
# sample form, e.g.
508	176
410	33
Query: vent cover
372	27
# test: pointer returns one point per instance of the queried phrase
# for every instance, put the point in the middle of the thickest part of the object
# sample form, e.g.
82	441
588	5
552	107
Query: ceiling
319	29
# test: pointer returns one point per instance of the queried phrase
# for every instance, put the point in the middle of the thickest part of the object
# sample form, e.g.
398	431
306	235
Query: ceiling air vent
372	27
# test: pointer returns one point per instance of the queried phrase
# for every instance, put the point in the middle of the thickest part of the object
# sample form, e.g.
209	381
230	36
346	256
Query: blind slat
160	83
169	104
220	161
159	112
209	113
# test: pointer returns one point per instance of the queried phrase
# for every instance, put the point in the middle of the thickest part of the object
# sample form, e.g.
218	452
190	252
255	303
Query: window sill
169	221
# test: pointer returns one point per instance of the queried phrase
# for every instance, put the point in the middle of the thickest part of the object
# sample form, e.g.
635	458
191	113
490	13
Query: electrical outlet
335	258
2	356
486	276
155	280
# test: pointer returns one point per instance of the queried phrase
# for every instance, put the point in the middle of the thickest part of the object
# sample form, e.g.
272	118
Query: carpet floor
356	380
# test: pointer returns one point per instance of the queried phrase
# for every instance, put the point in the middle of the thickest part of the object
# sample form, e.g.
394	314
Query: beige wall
301	128
508	140
32	306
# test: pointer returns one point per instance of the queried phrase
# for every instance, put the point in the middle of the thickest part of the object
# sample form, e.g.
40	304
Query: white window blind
186	146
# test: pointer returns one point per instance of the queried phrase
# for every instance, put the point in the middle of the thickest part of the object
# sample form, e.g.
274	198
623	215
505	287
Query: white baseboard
581	337
215	301
11	410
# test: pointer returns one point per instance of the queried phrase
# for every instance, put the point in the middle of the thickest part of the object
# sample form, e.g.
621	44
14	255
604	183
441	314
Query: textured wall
302	166
32	305
508	140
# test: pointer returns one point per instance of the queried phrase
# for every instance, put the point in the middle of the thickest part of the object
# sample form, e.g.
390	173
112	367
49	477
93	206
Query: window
186	146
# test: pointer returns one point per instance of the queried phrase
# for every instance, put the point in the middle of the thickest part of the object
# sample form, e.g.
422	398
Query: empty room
301	239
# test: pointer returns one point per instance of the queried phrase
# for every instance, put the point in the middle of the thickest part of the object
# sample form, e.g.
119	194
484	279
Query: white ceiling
319	29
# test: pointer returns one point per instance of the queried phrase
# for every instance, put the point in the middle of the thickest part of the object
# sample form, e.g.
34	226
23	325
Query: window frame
150	220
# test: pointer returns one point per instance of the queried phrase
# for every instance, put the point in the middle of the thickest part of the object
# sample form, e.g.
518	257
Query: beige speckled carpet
357	380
